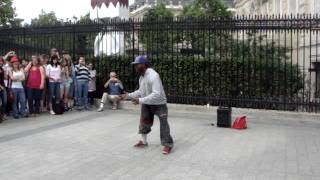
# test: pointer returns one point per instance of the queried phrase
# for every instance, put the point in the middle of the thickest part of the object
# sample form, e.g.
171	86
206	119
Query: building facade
276	7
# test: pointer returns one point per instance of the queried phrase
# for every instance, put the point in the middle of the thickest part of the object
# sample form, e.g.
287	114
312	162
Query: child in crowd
92	83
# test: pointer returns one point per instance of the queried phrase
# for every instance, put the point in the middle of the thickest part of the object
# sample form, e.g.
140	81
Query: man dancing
153	101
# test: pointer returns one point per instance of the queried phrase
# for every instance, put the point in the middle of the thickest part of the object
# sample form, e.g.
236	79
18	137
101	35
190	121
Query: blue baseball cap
141	60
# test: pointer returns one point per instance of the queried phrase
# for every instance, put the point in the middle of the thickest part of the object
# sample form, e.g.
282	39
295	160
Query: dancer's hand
124	96
135	101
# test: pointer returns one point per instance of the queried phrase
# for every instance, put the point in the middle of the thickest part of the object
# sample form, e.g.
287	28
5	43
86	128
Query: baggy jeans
146	121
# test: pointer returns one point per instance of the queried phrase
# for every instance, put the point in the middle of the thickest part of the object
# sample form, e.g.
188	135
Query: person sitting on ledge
113	90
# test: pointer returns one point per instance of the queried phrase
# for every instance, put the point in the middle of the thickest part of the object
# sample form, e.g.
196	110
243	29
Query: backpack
58	107
240	123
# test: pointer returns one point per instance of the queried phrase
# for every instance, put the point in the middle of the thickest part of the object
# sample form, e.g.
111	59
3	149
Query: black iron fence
252	62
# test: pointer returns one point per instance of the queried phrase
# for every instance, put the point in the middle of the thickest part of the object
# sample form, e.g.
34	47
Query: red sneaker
140	144
166	150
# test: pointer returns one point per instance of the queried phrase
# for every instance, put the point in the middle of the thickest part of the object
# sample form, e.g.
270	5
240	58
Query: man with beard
153	101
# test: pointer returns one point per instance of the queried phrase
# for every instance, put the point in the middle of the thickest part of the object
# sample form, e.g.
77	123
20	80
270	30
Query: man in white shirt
153	101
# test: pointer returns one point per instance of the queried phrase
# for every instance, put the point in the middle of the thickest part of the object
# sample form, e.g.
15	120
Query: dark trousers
4	100
34	98
91	97
146	121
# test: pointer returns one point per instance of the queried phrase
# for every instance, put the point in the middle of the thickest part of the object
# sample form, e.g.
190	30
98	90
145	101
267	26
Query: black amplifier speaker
224	117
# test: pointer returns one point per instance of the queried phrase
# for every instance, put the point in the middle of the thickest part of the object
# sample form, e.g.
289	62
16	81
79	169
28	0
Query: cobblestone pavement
97	146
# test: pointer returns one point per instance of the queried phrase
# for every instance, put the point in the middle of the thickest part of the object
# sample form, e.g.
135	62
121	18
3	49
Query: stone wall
264	7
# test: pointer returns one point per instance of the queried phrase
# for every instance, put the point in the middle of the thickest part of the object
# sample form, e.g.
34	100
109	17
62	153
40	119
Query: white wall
250	7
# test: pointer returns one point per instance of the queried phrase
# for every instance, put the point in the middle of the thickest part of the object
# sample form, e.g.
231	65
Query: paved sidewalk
97	146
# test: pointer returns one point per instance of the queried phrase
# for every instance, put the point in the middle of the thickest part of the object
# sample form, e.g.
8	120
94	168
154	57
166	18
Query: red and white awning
98	3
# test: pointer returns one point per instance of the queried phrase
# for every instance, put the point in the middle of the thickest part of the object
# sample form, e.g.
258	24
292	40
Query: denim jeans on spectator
54	91
19	102
4	100
75	91
82	93
34	97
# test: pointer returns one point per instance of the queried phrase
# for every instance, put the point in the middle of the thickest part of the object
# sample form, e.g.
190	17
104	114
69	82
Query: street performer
153	101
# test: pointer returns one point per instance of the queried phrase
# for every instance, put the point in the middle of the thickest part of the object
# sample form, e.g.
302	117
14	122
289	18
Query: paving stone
98	146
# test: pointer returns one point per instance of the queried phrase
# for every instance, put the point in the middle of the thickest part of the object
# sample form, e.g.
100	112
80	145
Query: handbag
9	92
240	123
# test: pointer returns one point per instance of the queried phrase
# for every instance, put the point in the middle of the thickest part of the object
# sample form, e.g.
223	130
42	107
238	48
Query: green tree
85	19
45	19
207	9
156	37
159	12
16	22
200	13
160	37
7	12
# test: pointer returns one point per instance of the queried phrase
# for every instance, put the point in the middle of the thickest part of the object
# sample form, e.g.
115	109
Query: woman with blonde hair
66	81
72	89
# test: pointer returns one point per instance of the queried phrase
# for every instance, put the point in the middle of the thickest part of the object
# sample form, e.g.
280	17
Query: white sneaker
52	112
100	108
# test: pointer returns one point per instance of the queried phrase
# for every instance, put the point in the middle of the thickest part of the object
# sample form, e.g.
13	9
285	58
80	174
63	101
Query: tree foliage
158	12
7	12
207	9
45	19
85	19
162	41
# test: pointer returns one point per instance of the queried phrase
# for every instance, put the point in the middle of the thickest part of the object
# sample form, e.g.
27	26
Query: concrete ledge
210	109
198	109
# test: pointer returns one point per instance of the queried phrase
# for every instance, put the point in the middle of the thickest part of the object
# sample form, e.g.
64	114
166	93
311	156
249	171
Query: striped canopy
95	3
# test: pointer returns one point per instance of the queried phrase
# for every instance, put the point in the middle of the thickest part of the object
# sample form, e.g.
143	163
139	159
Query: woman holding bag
35	85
